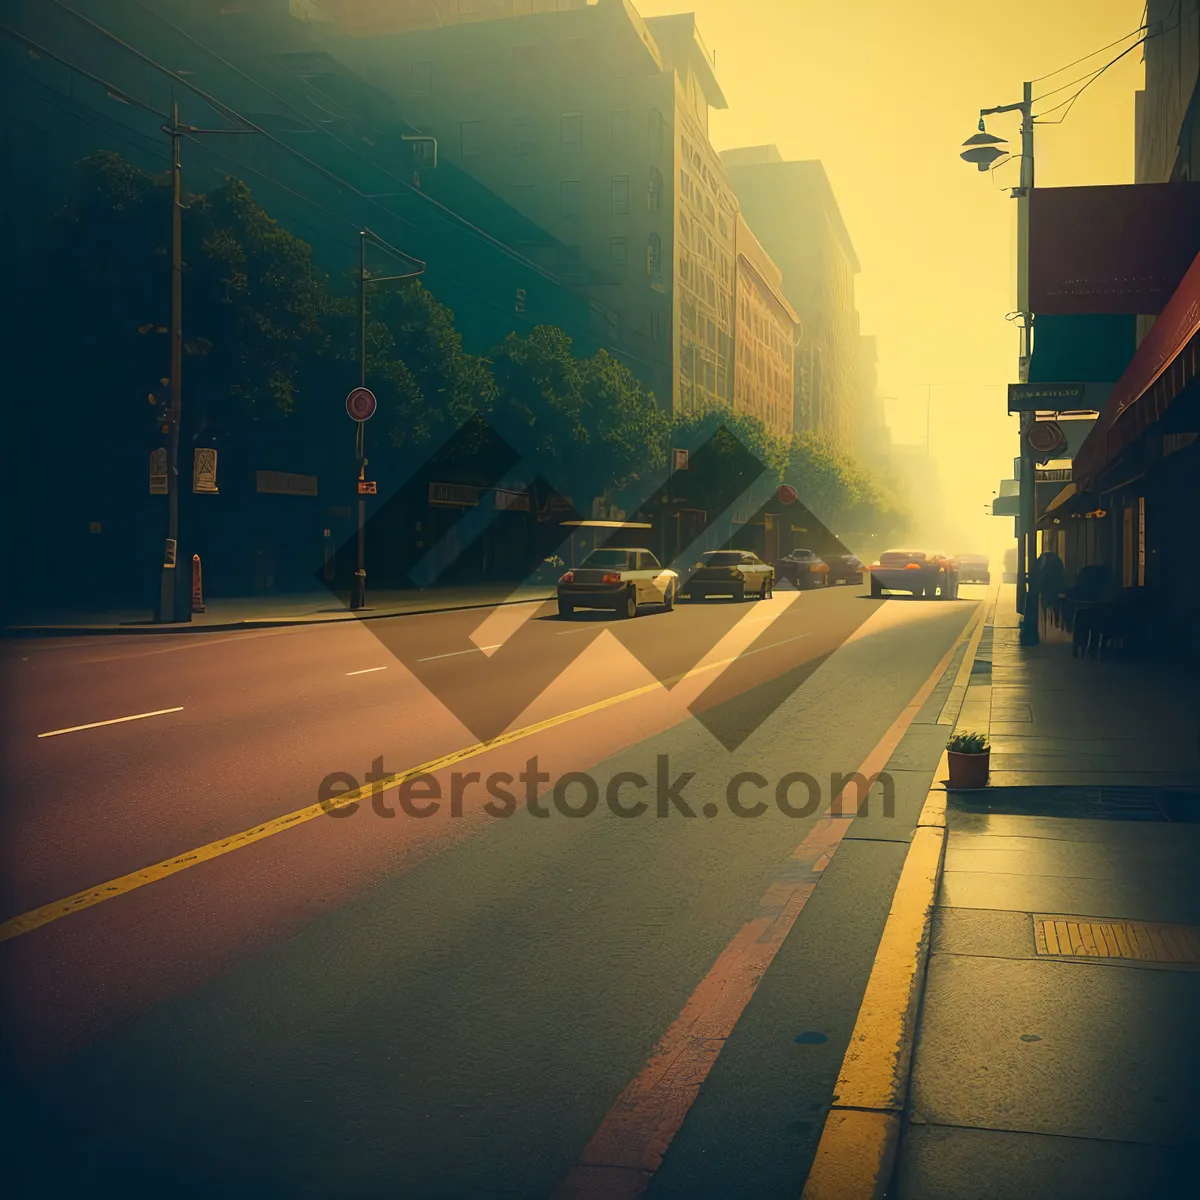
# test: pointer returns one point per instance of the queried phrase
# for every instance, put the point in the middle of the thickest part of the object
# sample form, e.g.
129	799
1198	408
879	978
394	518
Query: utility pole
168	588
358	596
982	153
168	591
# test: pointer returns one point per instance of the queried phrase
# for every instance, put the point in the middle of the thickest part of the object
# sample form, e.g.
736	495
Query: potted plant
969	756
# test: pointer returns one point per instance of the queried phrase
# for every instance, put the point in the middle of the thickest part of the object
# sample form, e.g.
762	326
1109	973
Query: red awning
1167	360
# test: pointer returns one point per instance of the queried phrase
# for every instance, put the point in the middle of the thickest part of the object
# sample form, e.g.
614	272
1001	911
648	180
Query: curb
35	631
856	1155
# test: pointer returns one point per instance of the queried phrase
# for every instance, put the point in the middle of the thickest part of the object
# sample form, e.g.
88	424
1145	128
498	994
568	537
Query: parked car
804	568
736	573
844	568
922	573
618	579
973	568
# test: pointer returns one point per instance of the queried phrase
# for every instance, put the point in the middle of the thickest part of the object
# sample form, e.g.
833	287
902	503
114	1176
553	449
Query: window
472	138
618	131
524	136
571	197
619	194
654	257
658	131
572	131
654	193
618	255
421	78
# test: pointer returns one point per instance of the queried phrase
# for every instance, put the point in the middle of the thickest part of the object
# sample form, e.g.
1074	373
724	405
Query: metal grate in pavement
1139	941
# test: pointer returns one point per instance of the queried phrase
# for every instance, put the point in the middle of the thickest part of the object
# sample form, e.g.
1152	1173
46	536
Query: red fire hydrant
197	587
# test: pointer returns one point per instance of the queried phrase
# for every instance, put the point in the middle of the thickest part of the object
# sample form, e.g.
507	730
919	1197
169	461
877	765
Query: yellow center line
89	897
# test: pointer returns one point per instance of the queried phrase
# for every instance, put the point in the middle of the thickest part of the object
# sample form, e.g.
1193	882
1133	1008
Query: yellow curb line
858	1145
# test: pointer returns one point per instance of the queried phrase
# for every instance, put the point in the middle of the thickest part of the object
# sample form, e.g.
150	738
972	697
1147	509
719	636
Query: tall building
793	211
765	335
875	438
593	123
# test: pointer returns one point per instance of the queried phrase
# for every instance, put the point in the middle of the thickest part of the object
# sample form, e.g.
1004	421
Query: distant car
804	568
735	573
921	573
844	568
618	579
973	568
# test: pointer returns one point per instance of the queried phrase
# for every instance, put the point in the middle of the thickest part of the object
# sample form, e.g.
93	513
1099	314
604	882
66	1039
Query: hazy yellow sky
884	92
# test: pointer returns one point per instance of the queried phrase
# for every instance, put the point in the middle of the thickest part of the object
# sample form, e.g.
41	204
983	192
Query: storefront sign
1111	249
509	501
283	483
453	495
1046	397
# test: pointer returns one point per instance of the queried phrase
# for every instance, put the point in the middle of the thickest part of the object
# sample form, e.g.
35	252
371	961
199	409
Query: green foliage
968	743
586	424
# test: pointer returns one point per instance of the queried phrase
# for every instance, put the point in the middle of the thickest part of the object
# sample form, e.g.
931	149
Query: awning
1058	505
1163	365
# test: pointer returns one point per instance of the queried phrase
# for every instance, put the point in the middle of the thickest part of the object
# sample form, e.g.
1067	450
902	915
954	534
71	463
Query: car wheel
628	606
768	588
565	609
739	593
669	597
876	590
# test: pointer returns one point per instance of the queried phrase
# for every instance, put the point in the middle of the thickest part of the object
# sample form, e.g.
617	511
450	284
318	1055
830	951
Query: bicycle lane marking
623	1154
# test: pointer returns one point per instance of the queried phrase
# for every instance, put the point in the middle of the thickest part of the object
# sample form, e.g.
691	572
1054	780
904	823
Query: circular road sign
360	404
1045	437
786	494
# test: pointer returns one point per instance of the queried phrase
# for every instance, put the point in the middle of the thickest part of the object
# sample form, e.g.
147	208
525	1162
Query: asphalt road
379	1003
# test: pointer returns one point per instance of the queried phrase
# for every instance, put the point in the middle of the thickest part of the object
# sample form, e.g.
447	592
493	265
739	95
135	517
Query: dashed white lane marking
159	712
456	653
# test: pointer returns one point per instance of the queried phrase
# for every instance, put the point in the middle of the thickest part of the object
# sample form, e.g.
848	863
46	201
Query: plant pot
968	770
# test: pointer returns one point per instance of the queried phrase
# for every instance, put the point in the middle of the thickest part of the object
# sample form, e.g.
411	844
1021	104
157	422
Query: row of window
570	139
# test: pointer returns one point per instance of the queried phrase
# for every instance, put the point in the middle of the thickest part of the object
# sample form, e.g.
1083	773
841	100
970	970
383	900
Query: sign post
360	407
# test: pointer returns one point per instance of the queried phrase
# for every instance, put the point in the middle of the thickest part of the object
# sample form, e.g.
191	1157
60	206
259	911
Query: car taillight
912	566
736	574
611	579
569	577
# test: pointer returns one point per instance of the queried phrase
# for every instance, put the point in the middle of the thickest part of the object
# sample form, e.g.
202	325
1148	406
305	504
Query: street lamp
983	150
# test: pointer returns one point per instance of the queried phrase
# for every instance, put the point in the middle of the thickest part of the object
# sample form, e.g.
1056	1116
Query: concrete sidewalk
1056	1053
310	608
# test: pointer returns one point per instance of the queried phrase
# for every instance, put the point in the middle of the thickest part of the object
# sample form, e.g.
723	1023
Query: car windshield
801	555
618	560
723	558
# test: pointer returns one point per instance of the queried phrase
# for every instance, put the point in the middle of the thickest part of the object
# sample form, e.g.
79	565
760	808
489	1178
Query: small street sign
1045	438
360	404
681	460
786	494
204	471
366	487
170	551
158	471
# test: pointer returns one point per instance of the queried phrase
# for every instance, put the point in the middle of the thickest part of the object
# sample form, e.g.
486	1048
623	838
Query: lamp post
984	151
358	595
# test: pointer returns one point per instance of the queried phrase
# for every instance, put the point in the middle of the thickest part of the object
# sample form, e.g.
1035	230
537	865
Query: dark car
736	573
844	568
973	568
804	569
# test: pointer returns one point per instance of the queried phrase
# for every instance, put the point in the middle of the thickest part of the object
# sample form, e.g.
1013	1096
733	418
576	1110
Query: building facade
593	123
793	211
766	331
